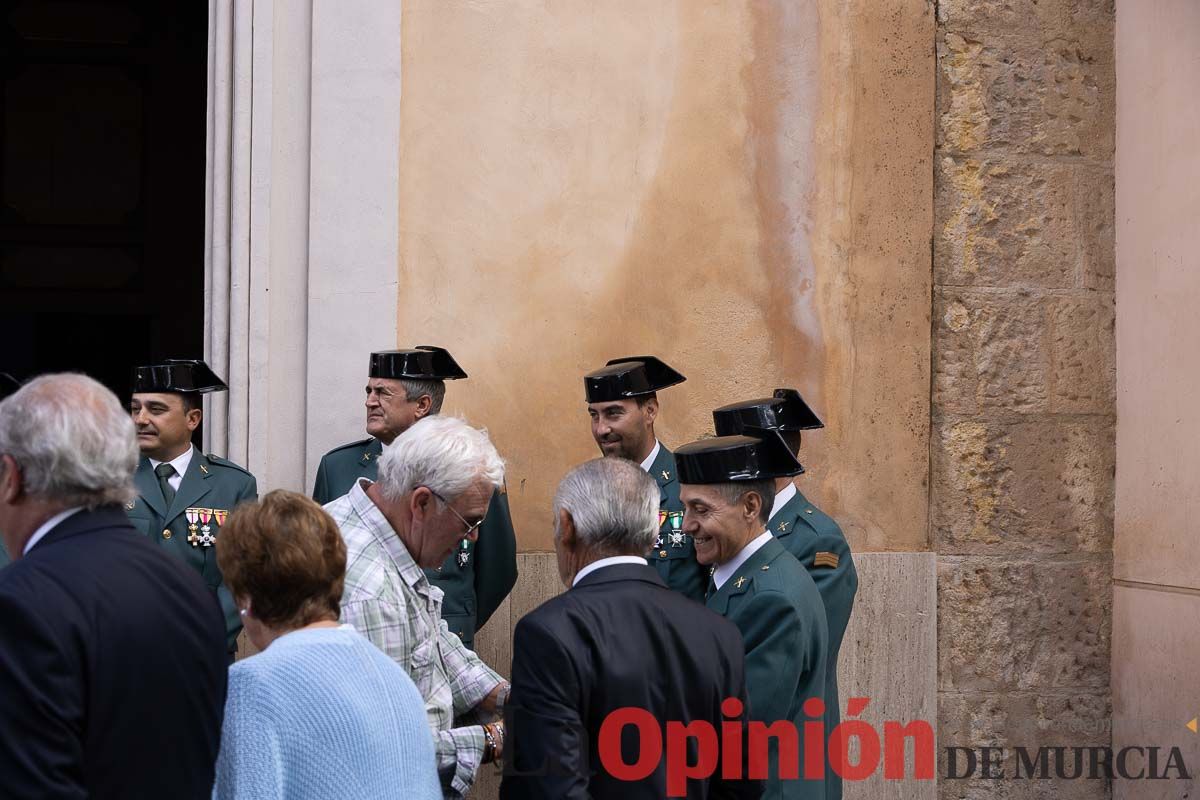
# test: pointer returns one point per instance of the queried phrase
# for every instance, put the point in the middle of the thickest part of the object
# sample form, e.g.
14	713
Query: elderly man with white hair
435	483
112	652
619	638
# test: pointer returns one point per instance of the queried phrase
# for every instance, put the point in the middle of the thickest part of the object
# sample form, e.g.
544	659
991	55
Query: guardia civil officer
404	386
184	495
622	400
808	534
727	487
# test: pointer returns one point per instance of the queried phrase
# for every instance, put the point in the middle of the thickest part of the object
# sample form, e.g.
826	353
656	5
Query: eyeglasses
470	528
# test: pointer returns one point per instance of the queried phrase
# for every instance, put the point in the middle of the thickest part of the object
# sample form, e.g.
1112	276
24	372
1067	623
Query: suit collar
782	498
84	521
663	468
743	580
783	522
621	572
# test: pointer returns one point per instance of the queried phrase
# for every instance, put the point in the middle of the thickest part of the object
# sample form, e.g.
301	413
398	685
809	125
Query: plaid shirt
389	600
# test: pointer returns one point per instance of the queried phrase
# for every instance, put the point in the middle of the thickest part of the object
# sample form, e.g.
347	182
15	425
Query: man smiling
727	486
184	496
622	399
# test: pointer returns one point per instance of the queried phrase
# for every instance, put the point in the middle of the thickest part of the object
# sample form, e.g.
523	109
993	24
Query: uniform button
166	534
662	553
808	511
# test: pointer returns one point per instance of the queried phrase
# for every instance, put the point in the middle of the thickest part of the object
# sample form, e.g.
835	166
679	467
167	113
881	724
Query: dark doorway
102	172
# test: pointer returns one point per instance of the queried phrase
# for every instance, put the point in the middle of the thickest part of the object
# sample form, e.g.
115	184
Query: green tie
164	472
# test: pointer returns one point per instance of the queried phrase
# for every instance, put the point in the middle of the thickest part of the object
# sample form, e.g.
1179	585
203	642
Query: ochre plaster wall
743	189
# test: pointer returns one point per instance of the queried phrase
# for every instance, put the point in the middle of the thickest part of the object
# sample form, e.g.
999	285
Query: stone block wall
1022	451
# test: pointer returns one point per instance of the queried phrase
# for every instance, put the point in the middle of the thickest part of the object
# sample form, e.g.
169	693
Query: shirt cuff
460	753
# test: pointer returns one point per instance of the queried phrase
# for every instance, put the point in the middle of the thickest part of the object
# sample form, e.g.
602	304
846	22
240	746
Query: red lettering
731	739
924	755
789	749
678	768
649	744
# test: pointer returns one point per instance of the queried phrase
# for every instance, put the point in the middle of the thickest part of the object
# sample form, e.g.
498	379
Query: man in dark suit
618	638
112	653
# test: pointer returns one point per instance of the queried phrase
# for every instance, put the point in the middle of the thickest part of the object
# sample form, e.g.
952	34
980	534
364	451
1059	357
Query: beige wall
1157	544
740	188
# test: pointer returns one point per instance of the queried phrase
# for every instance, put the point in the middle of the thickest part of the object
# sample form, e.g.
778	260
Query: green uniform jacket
821	548
211	487
673	554
777	607
471	595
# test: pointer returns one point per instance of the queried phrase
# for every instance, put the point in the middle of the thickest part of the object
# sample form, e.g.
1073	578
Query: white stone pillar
301	226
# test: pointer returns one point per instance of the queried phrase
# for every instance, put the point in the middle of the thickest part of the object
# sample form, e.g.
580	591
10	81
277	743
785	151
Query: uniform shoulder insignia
738	583
349	445
224	462
825	559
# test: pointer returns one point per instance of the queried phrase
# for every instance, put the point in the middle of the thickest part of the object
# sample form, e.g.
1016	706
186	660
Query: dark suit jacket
112	668
619	638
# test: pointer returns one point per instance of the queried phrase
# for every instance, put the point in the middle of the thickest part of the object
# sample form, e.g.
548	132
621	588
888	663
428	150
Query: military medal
206	537
192	515
464	555
676	520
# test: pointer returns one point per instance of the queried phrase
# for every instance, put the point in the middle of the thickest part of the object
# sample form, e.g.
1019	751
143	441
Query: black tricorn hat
422	363
623	378
785	411
177	375
758	455
8	385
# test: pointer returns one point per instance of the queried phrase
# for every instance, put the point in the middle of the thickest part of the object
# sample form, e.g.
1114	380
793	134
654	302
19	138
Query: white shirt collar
782	498
649	462
730	567
180	463
48	526
606	562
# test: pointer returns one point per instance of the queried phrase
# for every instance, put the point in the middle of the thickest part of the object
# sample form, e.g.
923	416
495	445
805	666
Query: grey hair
613	503
443	454
732	491
413	389
72	440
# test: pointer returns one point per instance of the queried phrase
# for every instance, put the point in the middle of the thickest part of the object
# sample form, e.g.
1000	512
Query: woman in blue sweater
320	713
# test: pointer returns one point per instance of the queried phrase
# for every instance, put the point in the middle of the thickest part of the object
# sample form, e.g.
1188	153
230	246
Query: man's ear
10	479
424	405
566	529
650	409
752	503
193	418
421	504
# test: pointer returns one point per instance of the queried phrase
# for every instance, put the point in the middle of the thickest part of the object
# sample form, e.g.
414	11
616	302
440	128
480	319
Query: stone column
301	259
1022	412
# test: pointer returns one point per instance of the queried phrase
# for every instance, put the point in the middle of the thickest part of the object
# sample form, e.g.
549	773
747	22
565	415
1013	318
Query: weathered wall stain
681	179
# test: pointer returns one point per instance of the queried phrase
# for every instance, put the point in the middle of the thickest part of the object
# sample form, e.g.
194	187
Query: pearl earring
243	611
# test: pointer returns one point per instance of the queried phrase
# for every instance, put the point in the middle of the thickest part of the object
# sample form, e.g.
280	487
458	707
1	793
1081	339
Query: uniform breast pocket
141	519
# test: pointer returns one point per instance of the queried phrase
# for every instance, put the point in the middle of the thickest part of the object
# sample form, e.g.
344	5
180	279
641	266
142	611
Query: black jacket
112	668
619	638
